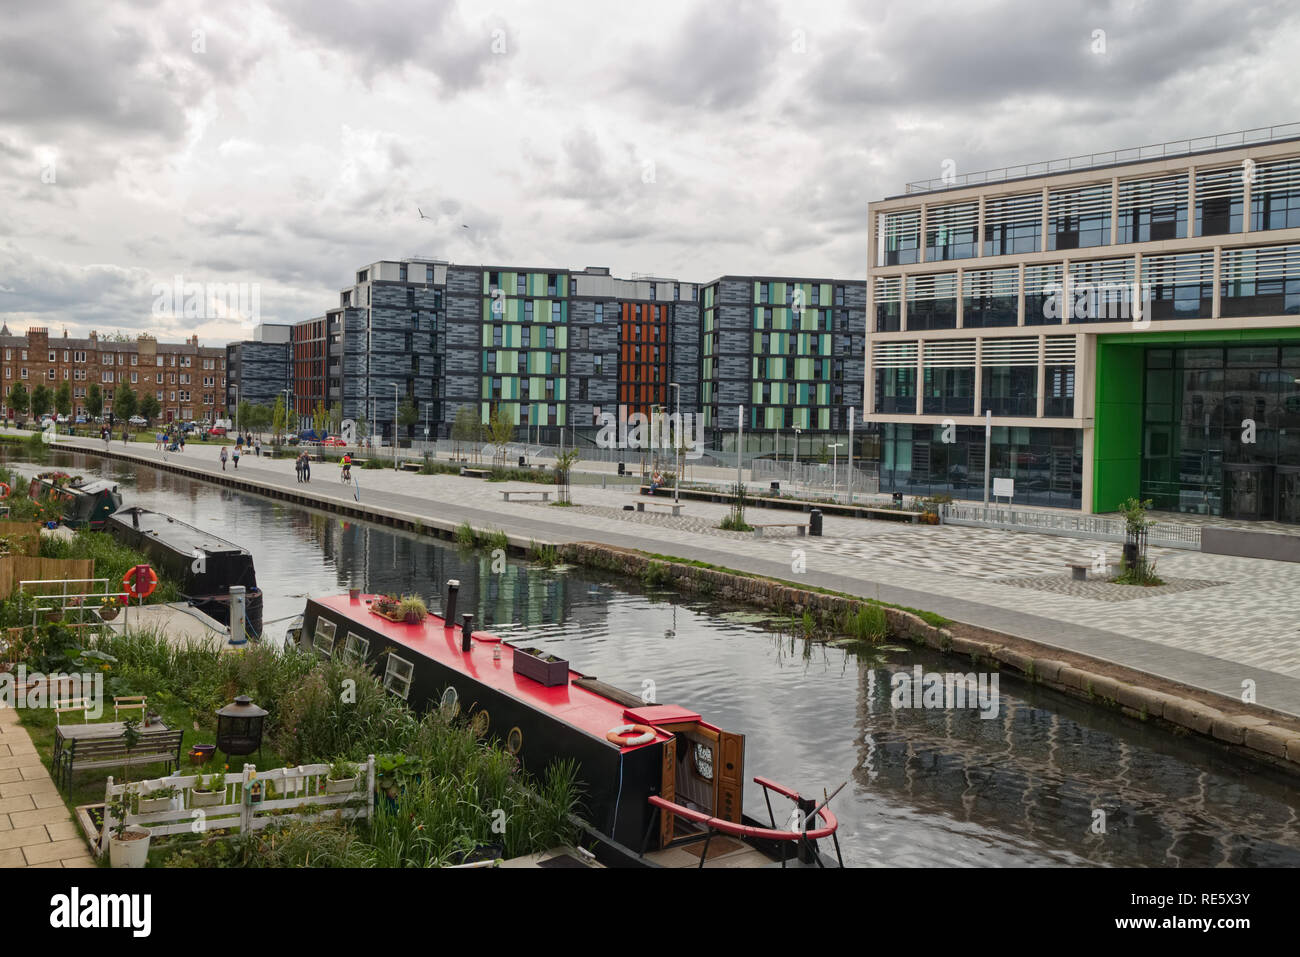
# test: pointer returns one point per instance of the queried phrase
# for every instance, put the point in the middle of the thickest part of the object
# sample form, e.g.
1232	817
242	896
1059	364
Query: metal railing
1104	528
1153	151
64	601
864	478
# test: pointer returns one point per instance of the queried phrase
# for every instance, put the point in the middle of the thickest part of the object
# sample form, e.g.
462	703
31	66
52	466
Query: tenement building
1131	327
188	380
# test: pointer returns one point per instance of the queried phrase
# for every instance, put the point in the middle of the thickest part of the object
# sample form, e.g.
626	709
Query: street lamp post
835	475
426	425
288	406
677	443
394	426
794	464
236	388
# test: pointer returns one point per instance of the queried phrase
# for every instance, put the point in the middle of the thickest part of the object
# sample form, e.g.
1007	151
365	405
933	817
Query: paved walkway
35	827
1222	622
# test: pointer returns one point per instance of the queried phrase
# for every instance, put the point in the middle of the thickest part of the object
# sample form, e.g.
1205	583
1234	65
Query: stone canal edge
1249	729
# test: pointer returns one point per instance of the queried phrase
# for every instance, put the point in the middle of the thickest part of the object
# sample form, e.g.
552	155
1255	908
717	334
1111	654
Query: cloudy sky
286	144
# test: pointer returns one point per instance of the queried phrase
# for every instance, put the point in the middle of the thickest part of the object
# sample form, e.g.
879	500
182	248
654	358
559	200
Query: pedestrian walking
306	467
157	441
182	441
224	455
237	448
257	448
124	435
297	467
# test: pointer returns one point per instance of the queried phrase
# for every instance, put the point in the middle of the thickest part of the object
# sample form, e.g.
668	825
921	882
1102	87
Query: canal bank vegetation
445	792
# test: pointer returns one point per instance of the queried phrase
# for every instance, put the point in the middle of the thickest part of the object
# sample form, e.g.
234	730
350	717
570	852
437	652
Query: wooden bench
895	513
1079	570
79	754
800	528
546	496
475	473
675	509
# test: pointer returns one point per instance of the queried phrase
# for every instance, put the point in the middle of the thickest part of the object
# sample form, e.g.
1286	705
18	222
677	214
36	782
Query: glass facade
1046	464
1221	430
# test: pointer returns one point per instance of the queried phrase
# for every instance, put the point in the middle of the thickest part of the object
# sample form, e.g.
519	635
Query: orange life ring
630	735
4	490
140	581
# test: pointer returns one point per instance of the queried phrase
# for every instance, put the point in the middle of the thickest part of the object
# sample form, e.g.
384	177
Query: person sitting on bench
656	481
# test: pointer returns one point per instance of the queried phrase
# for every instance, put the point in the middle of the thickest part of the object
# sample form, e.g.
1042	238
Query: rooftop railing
1136	154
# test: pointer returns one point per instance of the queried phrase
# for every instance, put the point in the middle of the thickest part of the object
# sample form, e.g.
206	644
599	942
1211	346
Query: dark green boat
80	503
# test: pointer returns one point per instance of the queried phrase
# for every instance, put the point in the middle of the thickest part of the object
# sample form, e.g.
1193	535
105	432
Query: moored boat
663	786
81	503
205	565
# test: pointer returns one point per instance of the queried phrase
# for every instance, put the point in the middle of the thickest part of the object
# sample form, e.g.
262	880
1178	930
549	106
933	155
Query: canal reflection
927	786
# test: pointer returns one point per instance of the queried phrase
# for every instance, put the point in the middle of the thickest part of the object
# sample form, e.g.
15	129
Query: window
555	312
9	354
600	315
397	676
355	648
49	374
521	284
53	356
135	377
135	360
323	637
597	363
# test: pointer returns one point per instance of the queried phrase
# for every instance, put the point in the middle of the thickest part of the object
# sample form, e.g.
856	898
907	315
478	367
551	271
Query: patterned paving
1102	590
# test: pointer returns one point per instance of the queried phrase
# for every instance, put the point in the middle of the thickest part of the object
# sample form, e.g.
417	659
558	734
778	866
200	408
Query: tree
94	401
63	399
279	418
124	402
408	414
18	401
320	419
336	418
258	418
42	400
465	427
150	407
501	432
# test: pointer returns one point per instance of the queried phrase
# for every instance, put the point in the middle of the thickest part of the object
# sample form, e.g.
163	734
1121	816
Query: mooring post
449	608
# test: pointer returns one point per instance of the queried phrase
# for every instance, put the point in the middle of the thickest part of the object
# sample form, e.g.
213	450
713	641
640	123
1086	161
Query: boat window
323	637
449	706
704	761
397	676
355	648
514	740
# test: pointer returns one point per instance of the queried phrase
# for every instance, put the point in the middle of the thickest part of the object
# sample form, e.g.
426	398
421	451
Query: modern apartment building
258	370
557	349
1132	324
188	380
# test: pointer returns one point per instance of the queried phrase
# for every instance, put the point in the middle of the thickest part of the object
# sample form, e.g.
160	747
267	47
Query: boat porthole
479	723
449	706
514	740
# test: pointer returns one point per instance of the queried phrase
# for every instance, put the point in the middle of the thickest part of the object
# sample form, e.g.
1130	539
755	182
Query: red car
216	430
333	441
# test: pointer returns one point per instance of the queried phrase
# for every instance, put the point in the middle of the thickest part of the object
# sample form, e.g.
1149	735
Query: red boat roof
573	704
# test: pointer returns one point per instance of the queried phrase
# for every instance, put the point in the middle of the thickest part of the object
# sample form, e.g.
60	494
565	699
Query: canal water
1048	780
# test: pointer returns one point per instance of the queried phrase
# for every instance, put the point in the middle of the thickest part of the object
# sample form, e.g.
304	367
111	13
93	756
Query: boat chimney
449	607
466	629
135	518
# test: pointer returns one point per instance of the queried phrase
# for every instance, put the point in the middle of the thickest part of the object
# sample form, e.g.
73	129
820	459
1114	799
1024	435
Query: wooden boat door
729	774
668	791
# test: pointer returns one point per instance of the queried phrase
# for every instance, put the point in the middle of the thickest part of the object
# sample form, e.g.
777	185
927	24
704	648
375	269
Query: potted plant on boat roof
386	606
342	777
412	609
208	791
534	663
128	844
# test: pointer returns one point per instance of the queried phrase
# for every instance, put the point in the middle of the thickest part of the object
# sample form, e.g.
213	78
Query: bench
475	473
675	509
411	466
1079	570
546	496
801	529
895	513
78	754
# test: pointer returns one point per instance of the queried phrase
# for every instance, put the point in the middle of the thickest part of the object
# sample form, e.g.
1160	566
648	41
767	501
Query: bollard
466	630
237	636
449	608
815	522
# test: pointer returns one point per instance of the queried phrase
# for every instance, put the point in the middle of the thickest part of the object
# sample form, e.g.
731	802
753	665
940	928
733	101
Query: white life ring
631	735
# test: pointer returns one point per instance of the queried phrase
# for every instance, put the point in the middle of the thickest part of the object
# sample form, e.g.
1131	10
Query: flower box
541	667
150	805
394	616
207	798
342	786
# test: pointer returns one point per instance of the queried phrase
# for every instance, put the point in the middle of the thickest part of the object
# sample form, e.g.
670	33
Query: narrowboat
81	503
204	564
663	786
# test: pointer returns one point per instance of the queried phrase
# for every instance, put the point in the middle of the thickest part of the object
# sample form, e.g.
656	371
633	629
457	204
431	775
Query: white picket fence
302	793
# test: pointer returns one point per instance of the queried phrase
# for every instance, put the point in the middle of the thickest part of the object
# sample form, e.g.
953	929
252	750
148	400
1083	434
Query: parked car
81	420
138	420
61	419
333	441
217	431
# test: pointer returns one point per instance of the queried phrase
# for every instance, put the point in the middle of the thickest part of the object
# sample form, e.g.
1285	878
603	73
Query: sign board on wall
1004	488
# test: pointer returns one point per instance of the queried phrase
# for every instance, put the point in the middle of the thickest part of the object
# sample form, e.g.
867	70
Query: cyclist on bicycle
347	466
